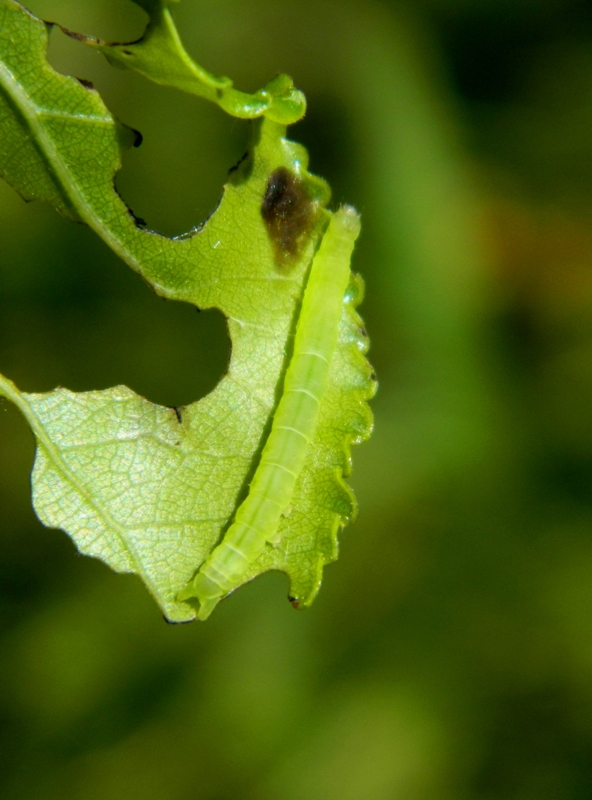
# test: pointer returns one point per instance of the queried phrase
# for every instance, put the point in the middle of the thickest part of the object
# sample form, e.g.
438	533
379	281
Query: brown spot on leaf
288	213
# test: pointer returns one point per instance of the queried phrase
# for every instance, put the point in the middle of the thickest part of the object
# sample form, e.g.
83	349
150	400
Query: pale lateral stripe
302	391
313	353
294	430
279	466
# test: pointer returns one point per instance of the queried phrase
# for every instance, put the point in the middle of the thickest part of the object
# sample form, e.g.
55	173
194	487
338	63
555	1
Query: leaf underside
137	485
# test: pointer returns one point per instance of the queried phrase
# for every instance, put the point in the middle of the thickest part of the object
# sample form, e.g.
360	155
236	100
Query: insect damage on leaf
150	489
289	214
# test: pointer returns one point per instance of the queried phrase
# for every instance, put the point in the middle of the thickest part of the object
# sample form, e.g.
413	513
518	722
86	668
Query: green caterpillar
257	518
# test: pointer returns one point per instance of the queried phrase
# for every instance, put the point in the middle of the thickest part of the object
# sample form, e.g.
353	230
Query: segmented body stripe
257	518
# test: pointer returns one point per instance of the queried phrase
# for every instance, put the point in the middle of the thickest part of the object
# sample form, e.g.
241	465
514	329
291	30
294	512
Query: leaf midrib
9	390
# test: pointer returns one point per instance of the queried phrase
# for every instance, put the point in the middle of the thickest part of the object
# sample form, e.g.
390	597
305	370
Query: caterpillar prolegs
257	519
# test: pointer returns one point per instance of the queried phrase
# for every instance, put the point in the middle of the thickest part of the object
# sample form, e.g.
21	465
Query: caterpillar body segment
257	519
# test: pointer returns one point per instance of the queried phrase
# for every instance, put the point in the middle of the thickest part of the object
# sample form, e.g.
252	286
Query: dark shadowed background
449	653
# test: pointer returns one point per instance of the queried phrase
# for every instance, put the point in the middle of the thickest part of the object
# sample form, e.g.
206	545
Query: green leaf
159	55
150	489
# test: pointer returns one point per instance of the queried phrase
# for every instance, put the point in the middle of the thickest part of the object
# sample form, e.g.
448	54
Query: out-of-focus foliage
459	664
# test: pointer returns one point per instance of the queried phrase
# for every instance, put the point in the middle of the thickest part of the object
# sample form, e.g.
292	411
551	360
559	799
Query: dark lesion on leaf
178	410
80	37
289	215
242	159
138	221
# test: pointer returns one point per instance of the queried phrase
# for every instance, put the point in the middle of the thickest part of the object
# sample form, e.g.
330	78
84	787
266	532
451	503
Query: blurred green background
449	653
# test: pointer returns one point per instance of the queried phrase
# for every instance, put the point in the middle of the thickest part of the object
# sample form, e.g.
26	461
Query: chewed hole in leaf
174	357
81	319
106	19
174	180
